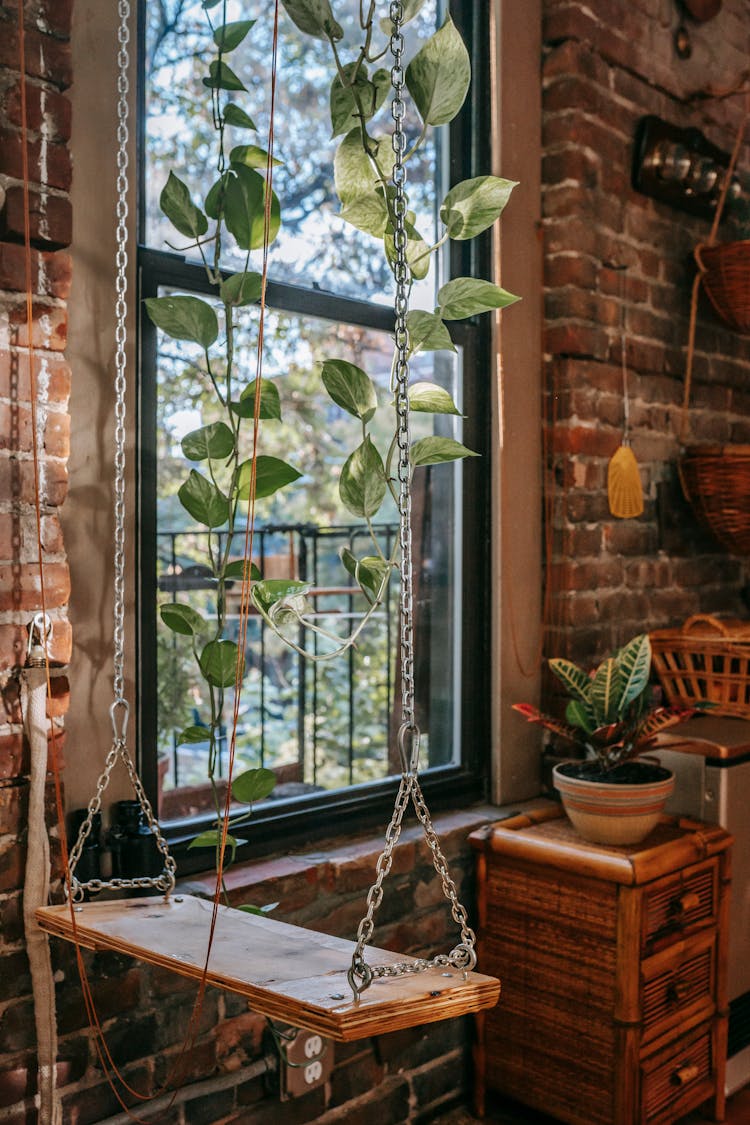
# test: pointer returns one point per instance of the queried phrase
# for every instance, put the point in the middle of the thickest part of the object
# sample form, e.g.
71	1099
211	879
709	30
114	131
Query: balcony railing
319	725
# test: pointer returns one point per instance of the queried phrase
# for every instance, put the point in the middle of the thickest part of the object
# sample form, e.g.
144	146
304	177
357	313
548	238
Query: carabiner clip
120	734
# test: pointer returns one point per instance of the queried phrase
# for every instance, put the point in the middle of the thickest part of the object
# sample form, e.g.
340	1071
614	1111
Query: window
325	729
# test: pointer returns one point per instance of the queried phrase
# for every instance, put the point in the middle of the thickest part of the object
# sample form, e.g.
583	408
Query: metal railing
287	719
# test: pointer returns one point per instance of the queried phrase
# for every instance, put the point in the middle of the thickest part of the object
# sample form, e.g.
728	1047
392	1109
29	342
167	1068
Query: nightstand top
546	836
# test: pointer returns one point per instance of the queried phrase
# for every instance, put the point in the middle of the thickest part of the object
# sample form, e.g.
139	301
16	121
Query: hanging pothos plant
437	79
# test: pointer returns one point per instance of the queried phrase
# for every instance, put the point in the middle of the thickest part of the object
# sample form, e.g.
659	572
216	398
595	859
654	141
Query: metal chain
463	956
120	709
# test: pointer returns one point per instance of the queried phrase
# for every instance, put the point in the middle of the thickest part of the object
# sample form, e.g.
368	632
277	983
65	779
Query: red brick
46	109
50	272
587	440
52	16
45	57
52	376
49	163
17	481
569	163
14	759
19	586
51	218
570	269
49	328
576	339
581	542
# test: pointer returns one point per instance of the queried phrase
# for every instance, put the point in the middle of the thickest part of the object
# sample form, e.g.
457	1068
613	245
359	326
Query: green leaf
248	908
192	734
244	204
575	681
235	115
417	250
438	76
216	196
473	205
434	450
252	156
314	17
236	569
230	35
468	296
427	332
579	715
272	591
179	208
362	483
203	500
207	4
215	442
182	619
212	839
429	398
253	785
222	77
346	99
241	289
369	572
350	388
409	8
271	475
270	403
357	185
218	663
366	213
606	692
184	318
634	663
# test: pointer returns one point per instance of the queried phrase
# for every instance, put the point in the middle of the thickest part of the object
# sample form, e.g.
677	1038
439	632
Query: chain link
120	709
463	956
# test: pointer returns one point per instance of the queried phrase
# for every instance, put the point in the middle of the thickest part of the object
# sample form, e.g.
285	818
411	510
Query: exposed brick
48	162
50	272
20	586
49	328
51	218
45	57
17	481
46	110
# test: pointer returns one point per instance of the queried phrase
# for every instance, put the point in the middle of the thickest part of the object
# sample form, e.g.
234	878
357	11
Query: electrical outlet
306	1061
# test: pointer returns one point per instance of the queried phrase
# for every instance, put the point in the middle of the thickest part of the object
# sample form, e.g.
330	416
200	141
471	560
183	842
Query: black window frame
340	811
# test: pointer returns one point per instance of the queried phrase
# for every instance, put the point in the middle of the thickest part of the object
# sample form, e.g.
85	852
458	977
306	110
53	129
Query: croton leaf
179	208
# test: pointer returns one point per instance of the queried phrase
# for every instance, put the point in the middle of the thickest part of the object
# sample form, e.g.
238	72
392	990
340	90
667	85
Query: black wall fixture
680	167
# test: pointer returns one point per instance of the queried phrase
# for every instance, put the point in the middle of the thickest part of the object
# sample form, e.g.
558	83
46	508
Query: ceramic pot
618	810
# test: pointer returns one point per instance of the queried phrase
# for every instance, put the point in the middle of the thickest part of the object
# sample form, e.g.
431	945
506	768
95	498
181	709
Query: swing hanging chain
120	709
463	956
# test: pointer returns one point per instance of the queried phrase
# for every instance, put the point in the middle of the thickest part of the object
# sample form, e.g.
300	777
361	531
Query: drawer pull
689	901
677	991
685	1074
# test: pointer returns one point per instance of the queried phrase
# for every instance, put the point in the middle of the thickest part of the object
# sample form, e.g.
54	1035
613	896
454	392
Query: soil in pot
617	806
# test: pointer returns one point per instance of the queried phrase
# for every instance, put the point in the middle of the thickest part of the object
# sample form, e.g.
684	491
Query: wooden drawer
680	904
678	982
677	1078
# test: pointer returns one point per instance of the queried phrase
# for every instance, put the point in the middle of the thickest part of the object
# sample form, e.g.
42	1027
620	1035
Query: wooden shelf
291	974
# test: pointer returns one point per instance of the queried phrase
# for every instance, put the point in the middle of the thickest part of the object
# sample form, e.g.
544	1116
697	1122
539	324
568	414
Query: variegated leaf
606	692
576	681
635	667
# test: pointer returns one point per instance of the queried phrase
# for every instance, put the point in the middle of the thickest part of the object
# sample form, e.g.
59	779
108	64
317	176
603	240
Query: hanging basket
706	660
716	482
725	276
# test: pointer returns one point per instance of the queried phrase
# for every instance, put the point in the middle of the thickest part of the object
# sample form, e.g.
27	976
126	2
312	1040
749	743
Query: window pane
319	725
314	245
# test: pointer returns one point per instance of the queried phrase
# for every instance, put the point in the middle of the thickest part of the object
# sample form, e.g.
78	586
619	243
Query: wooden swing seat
291	974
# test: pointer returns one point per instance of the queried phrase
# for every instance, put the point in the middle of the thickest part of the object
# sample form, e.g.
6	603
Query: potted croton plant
610	797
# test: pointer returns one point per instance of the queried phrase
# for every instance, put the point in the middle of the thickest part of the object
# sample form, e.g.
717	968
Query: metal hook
409	753
120	734
39	630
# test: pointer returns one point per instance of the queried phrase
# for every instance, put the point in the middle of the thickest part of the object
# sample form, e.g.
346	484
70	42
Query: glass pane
314	246
318	725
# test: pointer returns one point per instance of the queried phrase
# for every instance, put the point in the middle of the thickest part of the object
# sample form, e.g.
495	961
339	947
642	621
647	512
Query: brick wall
605	66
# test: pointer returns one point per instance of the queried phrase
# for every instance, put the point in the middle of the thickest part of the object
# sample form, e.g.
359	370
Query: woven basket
725	274
705	661
716	481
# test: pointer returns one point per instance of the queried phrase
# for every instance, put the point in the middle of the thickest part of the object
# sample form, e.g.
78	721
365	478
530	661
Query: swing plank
294	975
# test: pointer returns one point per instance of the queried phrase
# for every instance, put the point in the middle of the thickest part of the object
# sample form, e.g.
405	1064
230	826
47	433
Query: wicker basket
716	481
705	661
725	274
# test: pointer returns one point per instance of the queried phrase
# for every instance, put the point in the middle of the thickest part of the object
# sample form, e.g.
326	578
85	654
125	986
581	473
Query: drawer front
677	905
672	986
669	1078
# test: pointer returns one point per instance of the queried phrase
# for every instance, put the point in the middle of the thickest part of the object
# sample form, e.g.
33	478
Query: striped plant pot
613	811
